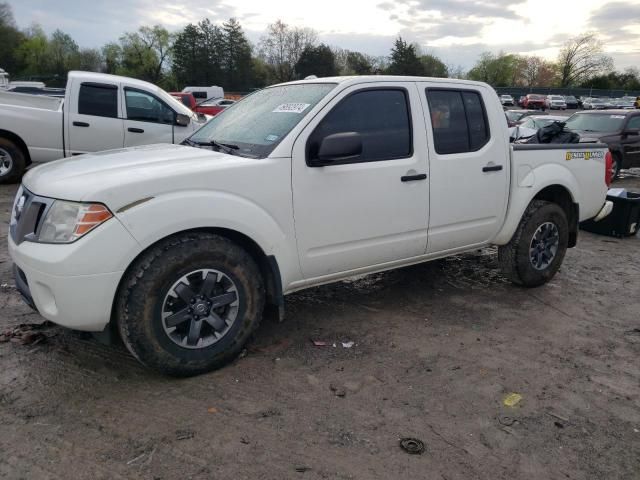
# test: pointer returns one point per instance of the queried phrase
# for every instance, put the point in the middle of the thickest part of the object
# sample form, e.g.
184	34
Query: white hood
116	177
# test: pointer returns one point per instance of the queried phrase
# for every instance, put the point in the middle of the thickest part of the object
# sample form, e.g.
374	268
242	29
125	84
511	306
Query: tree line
208	54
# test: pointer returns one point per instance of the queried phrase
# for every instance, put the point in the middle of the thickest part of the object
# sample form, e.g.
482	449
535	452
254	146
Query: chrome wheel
544	246
200	308
6	162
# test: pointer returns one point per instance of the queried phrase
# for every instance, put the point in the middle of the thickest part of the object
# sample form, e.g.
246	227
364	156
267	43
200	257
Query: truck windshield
589	122
257	123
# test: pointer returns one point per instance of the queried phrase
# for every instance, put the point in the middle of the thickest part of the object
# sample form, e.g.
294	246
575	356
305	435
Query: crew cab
181	248
98	112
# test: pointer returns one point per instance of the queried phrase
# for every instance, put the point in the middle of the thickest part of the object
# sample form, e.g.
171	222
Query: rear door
370	209
94	122
148	119
469	167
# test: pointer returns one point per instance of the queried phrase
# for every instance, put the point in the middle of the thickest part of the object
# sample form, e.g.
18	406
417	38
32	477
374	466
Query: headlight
65	222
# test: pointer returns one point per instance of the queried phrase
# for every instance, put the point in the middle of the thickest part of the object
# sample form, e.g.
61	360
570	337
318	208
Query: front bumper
74	284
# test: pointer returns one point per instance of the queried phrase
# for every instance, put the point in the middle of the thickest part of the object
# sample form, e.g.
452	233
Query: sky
455	30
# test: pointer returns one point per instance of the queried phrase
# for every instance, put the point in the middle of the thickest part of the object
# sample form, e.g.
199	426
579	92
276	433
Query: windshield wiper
225	147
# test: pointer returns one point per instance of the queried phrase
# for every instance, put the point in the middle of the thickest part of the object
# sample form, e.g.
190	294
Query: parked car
534	101
625	103
521	100
181	247
98	112
555	102
506	100
595	104
205	93
515	116
214	106
187	99
529	125
571	101
619	129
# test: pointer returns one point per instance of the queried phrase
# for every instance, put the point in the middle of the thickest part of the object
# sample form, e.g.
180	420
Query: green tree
433	66
319	61
10	40
32	52
145	53
89	60
188	55
582	58
282	47
497	70
237	64
62	55
404	60
112	54
359	63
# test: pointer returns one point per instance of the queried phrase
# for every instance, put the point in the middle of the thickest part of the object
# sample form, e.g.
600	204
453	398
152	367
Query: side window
634	123
380	116
202	95
144	107
458	120
98	100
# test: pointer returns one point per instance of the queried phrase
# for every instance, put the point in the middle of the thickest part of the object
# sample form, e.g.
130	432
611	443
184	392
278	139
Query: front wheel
535	253
189	304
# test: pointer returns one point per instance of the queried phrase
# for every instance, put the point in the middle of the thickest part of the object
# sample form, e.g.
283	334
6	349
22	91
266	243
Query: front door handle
492	168
135	130
412	178
80	124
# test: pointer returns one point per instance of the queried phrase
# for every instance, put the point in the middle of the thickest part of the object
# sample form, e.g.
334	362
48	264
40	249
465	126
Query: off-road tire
19	161
143	289
514	257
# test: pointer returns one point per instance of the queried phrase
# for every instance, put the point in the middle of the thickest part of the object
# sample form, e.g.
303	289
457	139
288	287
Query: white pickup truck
180	247
99	112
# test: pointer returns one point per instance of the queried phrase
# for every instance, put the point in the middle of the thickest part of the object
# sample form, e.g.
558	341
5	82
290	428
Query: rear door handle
80	124
412	178
492	168
135	130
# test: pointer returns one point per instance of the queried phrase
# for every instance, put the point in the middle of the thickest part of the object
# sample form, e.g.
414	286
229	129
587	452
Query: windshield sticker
271	138
291	108
583	155
616	116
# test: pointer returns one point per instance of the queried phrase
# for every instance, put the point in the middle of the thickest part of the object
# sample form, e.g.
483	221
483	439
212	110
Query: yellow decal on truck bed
586	155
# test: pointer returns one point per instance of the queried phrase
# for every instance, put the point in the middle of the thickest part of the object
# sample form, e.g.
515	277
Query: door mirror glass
341	147
182	120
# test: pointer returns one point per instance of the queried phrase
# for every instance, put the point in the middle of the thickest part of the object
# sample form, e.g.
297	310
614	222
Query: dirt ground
437	349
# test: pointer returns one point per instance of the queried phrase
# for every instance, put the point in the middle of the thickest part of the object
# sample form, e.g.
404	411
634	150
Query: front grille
27	216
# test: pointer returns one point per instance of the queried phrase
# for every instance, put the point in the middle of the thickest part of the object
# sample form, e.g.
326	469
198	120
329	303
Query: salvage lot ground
437	348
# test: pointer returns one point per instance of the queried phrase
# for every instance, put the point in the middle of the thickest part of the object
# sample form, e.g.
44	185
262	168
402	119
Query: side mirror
182	120
631	131
338	148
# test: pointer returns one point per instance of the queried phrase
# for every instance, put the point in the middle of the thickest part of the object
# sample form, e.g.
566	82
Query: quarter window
147	108
380	116
98	100
458	120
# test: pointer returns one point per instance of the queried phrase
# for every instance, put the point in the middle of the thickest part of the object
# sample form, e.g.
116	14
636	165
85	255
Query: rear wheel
189	304
535	253
12	161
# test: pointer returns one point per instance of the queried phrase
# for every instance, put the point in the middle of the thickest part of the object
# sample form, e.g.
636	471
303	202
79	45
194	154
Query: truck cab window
380	116
98	100
458	120
147	108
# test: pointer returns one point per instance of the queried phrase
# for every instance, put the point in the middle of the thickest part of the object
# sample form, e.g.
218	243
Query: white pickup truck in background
99	112
179	248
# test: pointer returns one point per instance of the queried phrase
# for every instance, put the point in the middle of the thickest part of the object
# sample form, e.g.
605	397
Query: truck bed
31	101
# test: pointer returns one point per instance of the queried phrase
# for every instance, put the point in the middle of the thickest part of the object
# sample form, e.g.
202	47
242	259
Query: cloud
612	22
457	8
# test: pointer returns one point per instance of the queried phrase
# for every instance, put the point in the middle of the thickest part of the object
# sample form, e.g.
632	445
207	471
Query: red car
187	98
534	101
213	106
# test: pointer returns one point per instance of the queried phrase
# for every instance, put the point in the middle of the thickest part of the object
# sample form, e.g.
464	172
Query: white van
205	93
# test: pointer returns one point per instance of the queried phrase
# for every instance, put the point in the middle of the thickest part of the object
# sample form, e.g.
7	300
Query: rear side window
98	100
380	116
202	95
458	120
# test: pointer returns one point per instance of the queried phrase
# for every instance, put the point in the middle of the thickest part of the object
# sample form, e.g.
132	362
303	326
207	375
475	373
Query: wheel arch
267	264
19	142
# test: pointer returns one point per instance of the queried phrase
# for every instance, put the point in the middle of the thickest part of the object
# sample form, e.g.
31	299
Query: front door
148	119
469	168
370	208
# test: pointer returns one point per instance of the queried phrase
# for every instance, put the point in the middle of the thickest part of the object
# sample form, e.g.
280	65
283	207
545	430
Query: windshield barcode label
291	108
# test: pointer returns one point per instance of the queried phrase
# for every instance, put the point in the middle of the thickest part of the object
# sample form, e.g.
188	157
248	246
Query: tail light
608	168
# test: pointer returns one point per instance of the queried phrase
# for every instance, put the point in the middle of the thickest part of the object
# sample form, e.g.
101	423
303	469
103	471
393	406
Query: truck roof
357	79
